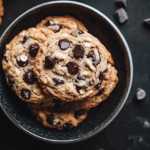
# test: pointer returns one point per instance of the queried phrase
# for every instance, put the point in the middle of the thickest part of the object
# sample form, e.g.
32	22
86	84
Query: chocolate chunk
25	39
79	113
80	31
64	44
49	62
95	60
25	93
55	27
121	3
80	78
51	119
29	77
47	23
22	60
10	81
100	92
78	89
99	84
146	22
91	55
72	68
102	73
78	51
76	32
33	49
68	125
141	94
121	15
58	81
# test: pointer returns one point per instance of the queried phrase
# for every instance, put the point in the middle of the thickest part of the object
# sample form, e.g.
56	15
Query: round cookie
57	114
107	86
18	63
70	65
59	23
1	11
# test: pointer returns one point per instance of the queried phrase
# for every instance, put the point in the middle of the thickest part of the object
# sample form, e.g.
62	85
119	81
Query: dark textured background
131	128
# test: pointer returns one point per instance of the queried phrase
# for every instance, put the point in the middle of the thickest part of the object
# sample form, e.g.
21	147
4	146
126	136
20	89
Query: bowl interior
98	117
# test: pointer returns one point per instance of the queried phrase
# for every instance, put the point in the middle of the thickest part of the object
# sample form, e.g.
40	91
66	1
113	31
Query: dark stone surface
131	128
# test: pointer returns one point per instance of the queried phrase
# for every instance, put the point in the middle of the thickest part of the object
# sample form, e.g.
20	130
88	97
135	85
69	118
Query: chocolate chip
121	3
51	120
100	92
47	23
141	94
29	77
79	113
80	31
72	68
22	63
68	125
58	81
78	51
91	55
33	49
25	93
76	32
64	44
80	78
78	89
10	81
121	15
102	73
146	22
25	39
55	27
49	62
99	84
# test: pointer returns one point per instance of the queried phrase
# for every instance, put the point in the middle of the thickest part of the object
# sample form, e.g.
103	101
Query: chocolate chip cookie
58	23
71	64
1	11
108	84
57	114
18	63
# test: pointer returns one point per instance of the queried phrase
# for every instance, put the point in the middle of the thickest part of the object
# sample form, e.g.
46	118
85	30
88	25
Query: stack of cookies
60	70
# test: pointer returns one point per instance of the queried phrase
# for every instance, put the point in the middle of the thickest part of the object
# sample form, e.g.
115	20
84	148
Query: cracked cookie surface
18	62
57	114
71	64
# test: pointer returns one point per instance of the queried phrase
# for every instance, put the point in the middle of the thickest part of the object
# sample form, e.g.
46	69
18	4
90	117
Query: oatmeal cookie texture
108	84
71	65
18	62
1	11
59	23
57	114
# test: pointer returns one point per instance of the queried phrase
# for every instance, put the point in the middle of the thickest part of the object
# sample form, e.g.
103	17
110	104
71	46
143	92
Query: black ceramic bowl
99	117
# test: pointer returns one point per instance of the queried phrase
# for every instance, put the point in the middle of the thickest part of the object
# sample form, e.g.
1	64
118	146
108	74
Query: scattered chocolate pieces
58	81
121	3
141	94
146	22
121	15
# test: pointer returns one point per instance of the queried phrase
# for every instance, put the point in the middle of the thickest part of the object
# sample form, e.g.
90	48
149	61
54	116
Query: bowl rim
116	112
